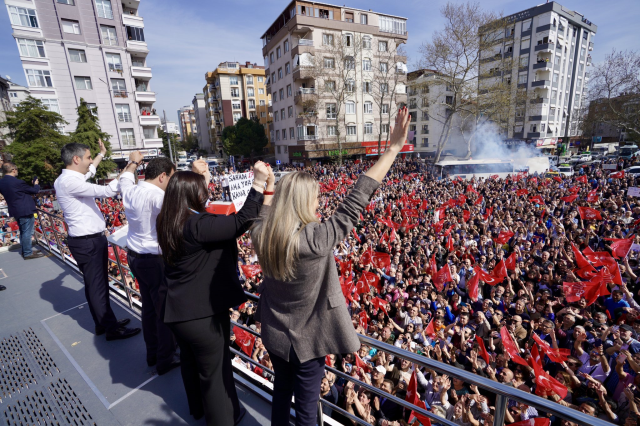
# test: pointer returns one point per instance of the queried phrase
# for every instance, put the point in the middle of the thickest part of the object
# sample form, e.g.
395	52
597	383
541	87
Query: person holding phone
301	305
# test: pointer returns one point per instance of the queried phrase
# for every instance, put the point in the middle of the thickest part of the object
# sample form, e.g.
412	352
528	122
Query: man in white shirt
224	180
86	239
143	202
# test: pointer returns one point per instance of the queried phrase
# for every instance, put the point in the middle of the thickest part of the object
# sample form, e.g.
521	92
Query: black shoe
122	333
151	361
243	411
2	287
100	329
34	255
168	368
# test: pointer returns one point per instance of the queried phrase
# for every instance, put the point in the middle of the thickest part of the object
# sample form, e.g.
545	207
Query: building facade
17	93
187	121
235	90
201	131
92	50
170	127
5	106
336	78
548	48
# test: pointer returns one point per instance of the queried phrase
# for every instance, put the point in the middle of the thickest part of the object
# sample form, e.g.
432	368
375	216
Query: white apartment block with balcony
201	129
550	46
303	40
94	50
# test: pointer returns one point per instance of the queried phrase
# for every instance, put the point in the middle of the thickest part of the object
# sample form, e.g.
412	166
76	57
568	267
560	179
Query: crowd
530	281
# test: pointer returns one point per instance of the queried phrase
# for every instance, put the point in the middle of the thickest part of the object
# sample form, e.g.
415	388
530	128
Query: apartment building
428	99
5	106
94	50
187	121
300	52
235	90
201	130
17	93
548	48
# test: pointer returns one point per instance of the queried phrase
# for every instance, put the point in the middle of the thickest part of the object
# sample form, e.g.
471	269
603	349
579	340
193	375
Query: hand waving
400	130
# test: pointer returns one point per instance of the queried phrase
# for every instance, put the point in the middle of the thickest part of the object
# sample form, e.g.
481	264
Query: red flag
592	196
372	279
442	276
617	175
251	271
450	244
424	205
496	276
537	199
582	179
555	355
448	231
599	258
503	237
483	350
470	188
438	226
510	347
488	213
589	213
412	397
521	192
361	364
328	361
620	246
510	263
590	290
364	319
361	217
537	421
362	286
569	198
544	382
500	270
534	180
381	260
393	236
379	304
557	179
356	235
479	200
495	177
365	259
433	266
409	212
581	261
586	272
466	215
430	330
472	287
244	340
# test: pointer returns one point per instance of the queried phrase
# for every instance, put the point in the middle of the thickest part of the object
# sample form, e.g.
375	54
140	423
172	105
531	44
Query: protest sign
239	186
633	191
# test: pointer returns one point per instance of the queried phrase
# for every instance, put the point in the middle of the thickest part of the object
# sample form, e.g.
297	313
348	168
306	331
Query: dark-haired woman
200	254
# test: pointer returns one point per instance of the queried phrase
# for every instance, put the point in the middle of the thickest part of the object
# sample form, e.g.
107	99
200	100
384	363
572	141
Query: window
39	78
351	130
104	9
425	142
148	132
275	117
331	111
114	61
385	129
524	60
252	103
522	79
329	85
366	87
260	91
368	107
237	116
277	135
384	88
329	63
385	108
350	107
77	55
281	94
260	79
272	59
383	67
286	46
119	88
366	65
128	138
282	114
249	80
348	40
425	115
392	25
526	25
279	149
348	16
292	133
350	63
287	68
236	105
368	128
289	92
278	52
364	19
109	36
135	33
262	103
425	129
23	16
69	2
235	92
290	112
250	92
279	73
350	85
327	39
124	113
233	80
70	27
51	105
273	77
382	46
366	42
284	134
31	48
331	130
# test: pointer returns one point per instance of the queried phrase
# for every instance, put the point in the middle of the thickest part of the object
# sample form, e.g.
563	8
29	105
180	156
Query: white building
201	131
17	93
170	127
94	50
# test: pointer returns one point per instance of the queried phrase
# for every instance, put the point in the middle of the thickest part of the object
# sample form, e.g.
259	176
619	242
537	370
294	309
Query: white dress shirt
142	202
77	197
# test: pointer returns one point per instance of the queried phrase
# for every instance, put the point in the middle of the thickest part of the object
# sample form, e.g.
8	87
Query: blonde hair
276	234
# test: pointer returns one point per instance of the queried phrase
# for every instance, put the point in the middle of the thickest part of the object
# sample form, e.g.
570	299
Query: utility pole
168	135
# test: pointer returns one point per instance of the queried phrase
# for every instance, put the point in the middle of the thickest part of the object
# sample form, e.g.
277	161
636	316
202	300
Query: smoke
488	143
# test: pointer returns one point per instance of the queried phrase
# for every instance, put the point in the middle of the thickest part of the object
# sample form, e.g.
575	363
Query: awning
371	147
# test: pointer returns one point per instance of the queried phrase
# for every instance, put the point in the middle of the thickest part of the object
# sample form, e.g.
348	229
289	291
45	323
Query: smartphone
615	328
623	357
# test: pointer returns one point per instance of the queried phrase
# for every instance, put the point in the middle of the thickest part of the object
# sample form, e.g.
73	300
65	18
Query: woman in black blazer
200	254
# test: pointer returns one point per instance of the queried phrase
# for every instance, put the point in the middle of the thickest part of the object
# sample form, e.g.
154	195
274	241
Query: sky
188	38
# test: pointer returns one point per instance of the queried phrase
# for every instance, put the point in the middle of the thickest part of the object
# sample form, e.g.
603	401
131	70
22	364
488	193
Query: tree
169	138
615	89
247	138
88	132
37	140
189	143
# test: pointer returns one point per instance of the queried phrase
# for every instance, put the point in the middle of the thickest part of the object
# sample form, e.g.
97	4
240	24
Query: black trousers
91	256
206	368
299	379
158	337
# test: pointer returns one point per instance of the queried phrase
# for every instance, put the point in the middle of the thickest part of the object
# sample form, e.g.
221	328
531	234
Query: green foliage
36	140
189	143
246	138
166	139
88	132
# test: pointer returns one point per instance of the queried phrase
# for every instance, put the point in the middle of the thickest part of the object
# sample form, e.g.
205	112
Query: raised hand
103	149
260	172
400	130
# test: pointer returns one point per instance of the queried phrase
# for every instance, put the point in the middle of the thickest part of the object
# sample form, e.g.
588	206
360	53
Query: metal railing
49	234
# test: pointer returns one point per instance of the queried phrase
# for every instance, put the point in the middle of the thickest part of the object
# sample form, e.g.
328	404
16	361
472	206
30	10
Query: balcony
120	94
518	135
544	28
141	72
116	68
539	101
537	118
152	143
304	95
543	65
302	72
590	46
137	46
544	47
146	97
541	83
132	21
531	135
150	120
124	117
308	137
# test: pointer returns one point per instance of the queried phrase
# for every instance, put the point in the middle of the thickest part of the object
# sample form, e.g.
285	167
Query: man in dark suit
21	205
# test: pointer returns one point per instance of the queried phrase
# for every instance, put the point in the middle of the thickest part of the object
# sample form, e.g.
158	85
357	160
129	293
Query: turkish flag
328	361
581	261
347	288
479	200
496	276
590	290
361	364
346	266
586	272
244	340
356	235
365	259
545	383
362	287
592	196
503	237
379	304
510	347
433	266
599	258
430	330
412	398
569	198
494	177
589	213
372	279
483	350
582	179
472	286
488	213
393	236
364	319
574	189
521	192
554	354
536	421
441	277
510	263
620	246
438	226
470	188
448	231
537	199
381	260
534	180
466	215
617	175
424	205
251	271
557	179
450	244
409	212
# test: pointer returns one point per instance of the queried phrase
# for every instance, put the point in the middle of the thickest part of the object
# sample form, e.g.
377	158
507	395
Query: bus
485	168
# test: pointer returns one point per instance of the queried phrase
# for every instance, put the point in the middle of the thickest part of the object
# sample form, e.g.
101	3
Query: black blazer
204	280
18	196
